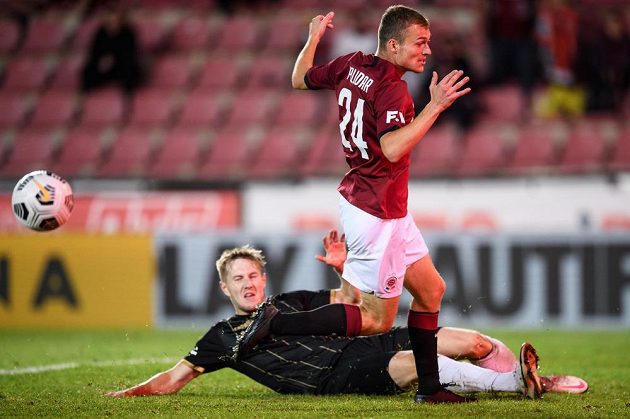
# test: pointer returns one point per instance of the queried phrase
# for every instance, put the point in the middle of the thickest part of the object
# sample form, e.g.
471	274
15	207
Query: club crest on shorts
390	283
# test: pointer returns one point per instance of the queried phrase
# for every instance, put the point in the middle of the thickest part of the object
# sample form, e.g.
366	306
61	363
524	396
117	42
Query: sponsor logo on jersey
394	116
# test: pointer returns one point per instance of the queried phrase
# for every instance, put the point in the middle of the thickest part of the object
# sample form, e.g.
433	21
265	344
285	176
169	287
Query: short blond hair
244	252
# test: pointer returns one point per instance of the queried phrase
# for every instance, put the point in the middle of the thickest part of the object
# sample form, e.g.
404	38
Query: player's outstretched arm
398	143
304	61
166	382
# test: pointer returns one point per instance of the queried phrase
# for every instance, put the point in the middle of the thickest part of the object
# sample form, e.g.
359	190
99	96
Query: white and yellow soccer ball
42	200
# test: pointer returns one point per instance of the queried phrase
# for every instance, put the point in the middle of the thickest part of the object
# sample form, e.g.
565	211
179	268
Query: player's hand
449	89
336	253
319	24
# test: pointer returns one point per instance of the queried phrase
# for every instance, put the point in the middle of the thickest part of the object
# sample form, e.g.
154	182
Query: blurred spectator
358	34
606	74
113	54
510	26
557	34
452	56
21	11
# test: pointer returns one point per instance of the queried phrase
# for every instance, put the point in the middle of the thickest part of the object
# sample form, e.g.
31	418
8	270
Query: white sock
468	378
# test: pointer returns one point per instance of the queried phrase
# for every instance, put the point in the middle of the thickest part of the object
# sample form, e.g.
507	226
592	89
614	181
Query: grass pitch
88	364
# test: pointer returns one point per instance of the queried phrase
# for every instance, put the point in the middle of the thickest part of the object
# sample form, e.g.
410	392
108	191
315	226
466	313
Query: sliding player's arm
166	382
335	257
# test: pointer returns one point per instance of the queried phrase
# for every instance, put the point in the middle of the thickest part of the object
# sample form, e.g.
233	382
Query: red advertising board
141	212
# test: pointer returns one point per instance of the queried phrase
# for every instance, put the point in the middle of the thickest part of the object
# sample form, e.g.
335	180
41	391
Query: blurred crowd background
198	91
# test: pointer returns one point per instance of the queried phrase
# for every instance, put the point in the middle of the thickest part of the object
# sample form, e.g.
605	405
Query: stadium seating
84	34
178	156
201	109
68	73
583	151
129	154
103	108
436	154
228	155
80	154
285	35
54	109
44	34
220	72
534	151
271	71
152	108
9	36
504	103
26	73
14	108
325	156
171	72
483	154
298	109
32	149
191	33
253	106
238	33
620	157
277	154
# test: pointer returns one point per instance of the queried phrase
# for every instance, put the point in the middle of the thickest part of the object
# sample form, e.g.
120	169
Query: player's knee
479	345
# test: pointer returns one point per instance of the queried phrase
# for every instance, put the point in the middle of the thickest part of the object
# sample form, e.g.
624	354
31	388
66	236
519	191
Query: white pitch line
69	365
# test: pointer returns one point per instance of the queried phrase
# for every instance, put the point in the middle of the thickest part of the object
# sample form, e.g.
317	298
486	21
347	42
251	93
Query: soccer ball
42	200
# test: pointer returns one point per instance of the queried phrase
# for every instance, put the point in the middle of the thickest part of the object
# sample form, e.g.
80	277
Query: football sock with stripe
340	319
423	337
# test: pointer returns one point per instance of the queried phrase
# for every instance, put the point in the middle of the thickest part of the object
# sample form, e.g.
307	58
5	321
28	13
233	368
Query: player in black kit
380	364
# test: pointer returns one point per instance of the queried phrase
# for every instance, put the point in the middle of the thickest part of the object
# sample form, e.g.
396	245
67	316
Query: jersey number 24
356	131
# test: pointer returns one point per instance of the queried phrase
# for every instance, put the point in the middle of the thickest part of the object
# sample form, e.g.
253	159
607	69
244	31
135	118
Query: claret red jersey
372	100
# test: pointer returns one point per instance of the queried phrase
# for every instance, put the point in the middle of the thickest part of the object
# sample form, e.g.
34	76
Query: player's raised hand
319	24
444	93
335	247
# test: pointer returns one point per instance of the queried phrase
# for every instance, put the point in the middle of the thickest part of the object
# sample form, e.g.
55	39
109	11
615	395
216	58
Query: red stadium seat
68	73
220	73
171	71
503	103
325	156
178	156
251	107
271	72
9	36
151	108
191	34
276	155
227	159
285	35
298	108
129	154
54	109
436	154
80	154
103	108
84	34
44	35
32	149
26	73
238	33
483	153
201	109
620	158
151	32
14	107
583	151
534	152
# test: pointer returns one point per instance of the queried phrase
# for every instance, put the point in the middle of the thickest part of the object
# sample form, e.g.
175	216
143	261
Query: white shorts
379	251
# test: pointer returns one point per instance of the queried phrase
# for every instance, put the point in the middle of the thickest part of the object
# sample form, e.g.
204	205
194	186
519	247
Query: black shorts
363	366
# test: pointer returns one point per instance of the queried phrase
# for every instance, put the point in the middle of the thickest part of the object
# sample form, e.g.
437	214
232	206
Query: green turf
600	357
